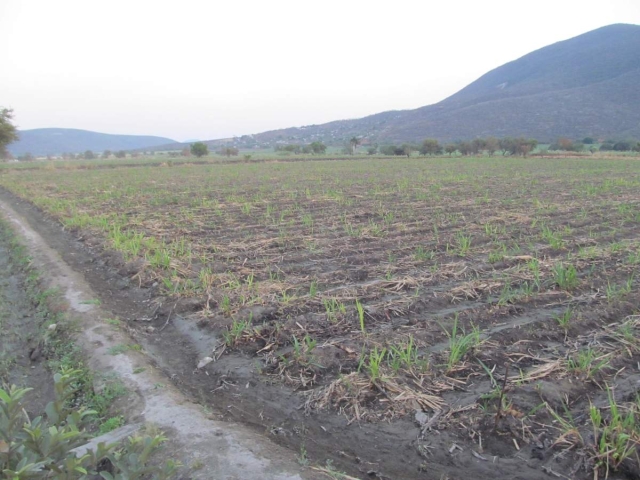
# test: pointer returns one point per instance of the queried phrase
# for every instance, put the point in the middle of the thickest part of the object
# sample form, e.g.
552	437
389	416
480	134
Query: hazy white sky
213	69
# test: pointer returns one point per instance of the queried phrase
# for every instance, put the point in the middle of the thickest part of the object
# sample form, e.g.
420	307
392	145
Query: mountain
53	141
588	85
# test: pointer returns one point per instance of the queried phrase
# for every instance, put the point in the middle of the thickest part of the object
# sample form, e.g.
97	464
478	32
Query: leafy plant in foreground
42	447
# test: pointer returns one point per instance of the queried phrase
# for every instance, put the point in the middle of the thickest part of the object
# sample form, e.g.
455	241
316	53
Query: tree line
314	148
588	144
505	146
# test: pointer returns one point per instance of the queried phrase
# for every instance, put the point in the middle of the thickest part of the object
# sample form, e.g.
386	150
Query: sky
216	69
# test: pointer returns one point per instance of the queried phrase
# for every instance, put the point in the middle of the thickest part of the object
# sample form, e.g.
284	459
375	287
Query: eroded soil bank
21	337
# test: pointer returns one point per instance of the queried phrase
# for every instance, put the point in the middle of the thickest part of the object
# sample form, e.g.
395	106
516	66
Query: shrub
43	447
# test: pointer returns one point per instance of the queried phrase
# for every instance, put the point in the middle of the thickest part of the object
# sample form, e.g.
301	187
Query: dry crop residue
461	315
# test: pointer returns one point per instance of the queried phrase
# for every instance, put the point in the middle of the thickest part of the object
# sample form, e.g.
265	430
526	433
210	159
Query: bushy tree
89	155
517	146
478	145
8	131
624	146
398	150
388	150
318	148
465	148
121	154
291	148
229	151
491	145
106	154
430	147
450	148
199	149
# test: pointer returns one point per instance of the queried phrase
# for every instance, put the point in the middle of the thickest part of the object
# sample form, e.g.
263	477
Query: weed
303	459
333	308
360	310
554	239
90	302
617	439
422	255
313	289
374	363
566	277
587	362
616	292
460	343
564	319
118	349
111	424
463	243
235	332
406	355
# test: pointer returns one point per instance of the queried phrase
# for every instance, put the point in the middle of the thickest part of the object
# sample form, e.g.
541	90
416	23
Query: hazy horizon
215	71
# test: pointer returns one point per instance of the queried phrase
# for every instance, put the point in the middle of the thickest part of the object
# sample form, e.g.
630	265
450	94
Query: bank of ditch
53	321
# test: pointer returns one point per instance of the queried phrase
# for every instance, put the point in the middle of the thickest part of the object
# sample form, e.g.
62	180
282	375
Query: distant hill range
54	141
585	86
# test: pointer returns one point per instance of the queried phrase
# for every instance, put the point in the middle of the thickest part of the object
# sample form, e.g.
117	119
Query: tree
477	145
491	144
354	142
106	154
430	147
199	149
388	150
121	154
451	148
372	150
8	131
623	146
506	146
563	144
524	146
229	151
89	155
406	149
318	147
465	148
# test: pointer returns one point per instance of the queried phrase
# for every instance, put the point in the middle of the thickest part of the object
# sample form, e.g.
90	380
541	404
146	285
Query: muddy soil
235	391
22	362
